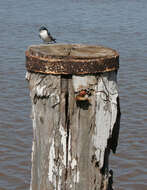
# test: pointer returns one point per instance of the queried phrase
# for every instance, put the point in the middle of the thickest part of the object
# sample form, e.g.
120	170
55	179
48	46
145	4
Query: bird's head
42	28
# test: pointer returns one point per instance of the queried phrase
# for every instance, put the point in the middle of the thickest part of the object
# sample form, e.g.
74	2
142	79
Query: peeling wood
106	112
75	116
72	139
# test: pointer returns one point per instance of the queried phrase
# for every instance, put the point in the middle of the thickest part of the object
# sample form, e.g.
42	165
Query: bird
45	35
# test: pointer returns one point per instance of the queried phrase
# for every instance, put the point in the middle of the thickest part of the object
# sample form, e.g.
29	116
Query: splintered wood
75	121
71	138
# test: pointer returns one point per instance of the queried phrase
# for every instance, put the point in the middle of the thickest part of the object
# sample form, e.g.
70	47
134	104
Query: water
117	24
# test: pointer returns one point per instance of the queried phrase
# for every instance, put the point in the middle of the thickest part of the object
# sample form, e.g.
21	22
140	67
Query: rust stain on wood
71	59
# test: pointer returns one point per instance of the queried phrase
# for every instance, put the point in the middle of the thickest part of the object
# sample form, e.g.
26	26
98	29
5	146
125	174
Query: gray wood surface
73	132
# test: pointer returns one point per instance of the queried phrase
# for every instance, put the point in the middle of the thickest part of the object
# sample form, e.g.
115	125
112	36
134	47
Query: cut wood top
71	59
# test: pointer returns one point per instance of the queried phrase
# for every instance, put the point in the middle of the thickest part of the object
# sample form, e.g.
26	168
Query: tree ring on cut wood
71	59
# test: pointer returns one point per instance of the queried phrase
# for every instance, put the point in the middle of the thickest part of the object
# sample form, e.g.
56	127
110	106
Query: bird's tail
54	40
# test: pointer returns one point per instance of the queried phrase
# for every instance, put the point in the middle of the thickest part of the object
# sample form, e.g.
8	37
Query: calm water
119	24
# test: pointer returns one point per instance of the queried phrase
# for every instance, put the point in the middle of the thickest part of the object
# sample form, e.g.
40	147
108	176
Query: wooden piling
75	113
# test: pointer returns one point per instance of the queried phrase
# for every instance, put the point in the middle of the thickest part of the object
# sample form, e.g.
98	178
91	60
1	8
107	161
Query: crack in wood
64	89
71	150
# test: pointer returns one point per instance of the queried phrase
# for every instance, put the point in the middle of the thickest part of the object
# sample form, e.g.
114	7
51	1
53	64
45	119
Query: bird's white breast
44	34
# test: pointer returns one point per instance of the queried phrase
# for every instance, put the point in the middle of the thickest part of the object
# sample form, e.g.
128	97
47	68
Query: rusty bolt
83	95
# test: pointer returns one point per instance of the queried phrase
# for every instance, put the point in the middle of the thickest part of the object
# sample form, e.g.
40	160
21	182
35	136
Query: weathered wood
75	125
71	59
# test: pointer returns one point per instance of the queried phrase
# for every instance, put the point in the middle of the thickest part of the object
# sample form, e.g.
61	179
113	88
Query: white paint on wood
73	163
69	147
32	157
106	113
60	178
74	166
52	163
40	90
33	144
34	117
27	77
76	178
82	82
63	142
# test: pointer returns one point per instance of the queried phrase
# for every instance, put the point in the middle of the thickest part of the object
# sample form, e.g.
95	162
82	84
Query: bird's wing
53	39
48	33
